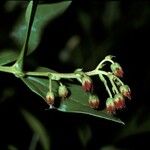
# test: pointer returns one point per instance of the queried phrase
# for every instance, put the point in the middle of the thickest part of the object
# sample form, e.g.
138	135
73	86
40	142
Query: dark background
97	29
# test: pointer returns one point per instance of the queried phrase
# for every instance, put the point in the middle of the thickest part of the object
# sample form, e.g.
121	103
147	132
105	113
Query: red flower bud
110	106
117	69
119	101
50	98
62	91
87	84
125	91
94	101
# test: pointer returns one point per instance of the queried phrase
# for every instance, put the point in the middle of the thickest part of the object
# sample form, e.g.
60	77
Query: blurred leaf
38	128
110	147
34	142
28	12
7	93
7	56
11	147
85	134
77	101
134	127
44	14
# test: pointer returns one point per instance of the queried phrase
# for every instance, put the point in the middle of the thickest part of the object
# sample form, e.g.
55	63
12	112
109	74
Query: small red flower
62	91
110	106
50	98
119	101
125	91
94	101
87	83
117	70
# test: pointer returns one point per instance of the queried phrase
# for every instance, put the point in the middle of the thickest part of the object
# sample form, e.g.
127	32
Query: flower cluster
117	90
62	93
87	86
118	101
121	90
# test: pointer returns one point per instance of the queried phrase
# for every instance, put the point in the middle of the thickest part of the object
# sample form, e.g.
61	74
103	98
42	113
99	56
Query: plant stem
57	76
50	85
105	84
100	65
52	75
113	84
6	69
12	69
118	80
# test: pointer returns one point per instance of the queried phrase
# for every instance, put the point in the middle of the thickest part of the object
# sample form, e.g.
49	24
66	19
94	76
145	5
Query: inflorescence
118	92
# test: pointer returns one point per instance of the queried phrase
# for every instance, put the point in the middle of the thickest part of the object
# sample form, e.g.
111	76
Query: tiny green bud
62	91
94	101
119	101
87	83
110	106
117	69
50	98
125	91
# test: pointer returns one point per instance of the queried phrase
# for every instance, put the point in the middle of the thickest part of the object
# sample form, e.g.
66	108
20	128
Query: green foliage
44	14
135	126
27	33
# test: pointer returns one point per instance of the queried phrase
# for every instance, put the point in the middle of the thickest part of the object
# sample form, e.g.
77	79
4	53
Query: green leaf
37	128
135	126
37	85
7	56
76	103
44	14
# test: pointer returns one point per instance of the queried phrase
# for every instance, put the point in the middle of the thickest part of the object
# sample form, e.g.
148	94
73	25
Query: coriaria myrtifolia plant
53	86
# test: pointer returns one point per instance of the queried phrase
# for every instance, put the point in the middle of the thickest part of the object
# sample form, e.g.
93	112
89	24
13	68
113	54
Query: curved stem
118	80
105	84
100	65
113	84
